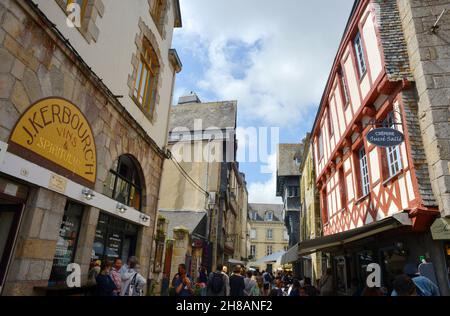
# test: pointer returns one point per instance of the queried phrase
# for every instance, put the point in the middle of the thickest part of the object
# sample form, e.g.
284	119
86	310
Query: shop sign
385	137
3	147
440	230
53	132
57	183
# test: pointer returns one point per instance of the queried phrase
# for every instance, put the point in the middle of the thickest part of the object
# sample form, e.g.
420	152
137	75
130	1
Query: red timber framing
370	99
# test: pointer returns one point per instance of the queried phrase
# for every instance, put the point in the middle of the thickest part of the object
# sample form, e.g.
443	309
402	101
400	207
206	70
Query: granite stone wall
36	64
429	55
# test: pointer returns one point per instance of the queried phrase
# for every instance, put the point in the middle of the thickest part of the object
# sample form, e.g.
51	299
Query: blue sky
273	57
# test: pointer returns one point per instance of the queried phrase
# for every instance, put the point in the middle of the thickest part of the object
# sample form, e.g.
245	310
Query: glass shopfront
67	243
114	238
12	198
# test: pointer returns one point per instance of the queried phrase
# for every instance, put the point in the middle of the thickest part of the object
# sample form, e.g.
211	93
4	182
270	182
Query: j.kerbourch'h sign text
55	129
385	137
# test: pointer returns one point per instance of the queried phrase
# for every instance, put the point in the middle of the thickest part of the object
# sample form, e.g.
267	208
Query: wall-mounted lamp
121	208
88	194
145	218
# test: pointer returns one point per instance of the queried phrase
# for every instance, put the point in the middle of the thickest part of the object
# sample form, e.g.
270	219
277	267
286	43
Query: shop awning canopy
290	256
193	221
273	258
395	221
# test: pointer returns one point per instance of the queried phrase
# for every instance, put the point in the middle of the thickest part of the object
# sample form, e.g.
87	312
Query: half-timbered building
376	202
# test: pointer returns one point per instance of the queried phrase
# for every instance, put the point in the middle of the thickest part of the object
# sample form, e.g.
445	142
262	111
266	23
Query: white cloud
264	192
289	48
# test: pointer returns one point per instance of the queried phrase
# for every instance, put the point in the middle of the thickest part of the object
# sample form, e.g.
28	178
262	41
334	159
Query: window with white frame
269	250
320	145
253	215
364	169
393	153
345	96
269	216
253	251
269	234
253	233
285	235
360	57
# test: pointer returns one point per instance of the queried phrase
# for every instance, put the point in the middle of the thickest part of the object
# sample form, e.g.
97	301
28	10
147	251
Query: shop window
66	244
145	85
364	172
124	183
360	57
394	163
114	238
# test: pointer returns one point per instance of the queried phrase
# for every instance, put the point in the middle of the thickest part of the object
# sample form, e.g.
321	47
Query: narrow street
195	148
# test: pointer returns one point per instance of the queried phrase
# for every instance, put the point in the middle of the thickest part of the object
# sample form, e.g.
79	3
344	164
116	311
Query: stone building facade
87	188
429	56
268	236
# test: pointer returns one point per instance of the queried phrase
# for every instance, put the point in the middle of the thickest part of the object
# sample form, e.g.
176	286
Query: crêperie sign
55	133
385	137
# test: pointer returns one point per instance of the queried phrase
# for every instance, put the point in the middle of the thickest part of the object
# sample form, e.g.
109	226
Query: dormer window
269	216
253	215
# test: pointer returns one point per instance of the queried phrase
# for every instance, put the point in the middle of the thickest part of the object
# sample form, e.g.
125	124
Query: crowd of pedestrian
116	279
245	282
241	282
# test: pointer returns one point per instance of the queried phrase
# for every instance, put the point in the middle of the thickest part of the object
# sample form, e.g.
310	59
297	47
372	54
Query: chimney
190	98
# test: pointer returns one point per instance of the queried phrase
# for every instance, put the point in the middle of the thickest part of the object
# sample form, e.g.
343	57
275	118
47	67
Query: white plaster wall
110	57
373	50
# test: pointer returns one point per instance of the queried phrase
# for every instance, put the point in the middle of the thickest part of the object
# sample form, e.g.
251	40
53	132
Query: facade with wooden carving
377	203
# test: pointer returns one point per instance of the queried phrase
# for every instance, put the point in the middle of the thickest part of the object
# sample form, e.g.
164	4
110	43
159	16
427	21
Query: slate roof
393	41
261	209
287	154
221	115
191	220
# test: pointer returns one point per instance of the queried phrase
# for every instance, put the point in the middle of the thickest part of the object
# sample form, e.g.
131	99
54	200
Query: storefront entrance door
9	222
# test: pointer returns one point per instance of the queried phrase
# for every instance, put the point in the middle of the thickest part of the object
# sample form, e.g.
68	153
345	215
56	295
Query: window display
66	244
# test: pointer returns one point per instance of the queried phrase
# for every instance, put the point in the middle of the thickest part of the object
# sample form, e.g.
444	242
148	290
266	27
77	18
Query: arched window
124	182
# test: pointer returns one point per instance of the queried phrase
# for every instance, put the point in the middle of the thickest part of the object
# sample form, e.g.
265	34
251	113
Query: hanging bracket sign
385	137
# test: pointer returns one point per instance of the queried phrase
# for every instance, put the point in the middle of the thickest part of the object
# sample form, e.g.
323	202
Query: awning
340	239
193	221
290	256
273	258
